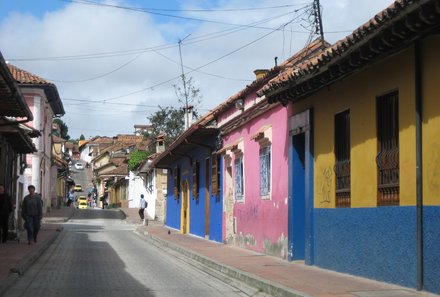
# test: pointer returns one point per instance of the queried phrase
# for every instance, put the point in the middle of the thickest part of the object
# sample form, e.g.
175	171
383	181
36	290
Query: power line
83	102
198	10
160	14
195	69
192	40
203	72
151	10
98	76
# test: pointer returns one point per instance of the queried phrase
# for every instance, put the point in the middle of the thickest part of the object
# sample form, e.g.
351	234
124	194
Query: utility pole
318	19
184	84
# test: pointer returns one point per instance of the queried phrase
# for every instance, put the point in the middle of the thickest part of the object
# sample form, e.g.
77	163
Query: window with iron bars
265	171
238	177
342	159
387	159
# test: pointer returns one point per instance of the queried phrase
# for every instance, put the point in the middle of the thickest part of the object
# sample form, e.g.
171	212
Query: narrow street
98	255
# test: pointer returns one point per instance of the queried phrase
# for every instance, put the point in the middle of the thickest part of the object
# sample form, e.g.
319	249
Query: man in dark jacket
5	210
32	212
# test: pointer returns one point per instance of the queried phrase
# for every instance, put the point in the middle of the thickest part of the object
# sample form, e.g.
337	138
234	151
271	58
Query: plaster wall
260	222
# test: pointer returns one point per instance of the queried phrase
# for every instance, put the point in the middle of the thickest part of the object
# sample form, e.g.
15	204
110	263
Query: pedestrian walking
142	205
5	211
32	213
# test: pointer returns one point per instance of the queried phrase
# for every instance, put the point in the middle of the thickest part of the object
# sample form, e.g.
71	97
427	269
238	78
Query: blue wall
377	243
216	211
173	205
197	207
431	248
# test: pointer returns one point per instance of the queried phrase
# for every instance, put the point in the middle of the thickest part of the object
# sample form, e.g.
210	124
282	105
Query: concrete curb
22	265
251	280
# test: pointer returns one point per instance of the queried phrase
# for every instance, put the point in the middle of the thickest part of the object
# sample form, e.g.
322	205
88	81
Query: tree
171	120
136	158
81	137
63	129
188	94
168	121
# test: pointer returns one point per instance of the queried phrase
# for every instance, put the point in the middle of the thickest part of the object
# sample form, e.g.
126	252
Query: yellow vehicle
77	188
82	202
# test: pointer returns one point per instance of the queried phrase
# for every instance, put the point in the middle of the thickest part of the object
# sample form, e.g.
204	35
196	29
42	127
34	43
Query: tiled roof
121	167
18	136
387	32
12	102
27	79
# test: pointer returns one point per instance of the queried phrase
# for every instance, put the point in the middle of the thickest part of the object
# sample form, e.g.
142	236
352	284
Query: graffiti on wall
326	185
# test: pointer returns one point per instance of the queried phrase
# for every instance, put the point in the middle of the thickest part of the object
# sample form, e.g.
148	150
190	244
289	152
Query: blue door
297	199
301	183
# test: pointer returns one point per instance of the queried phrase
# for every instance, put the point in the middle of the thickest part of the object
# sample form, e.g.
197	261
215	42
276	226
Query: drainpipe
419	164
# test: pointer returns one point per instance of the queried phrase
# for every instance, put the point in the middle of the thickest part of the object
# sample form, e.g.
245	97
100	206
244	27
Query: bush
136	158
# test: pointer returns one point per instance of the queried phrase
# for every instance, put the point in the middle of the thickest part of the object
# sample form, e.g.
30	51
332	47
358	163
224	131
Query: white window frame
263	137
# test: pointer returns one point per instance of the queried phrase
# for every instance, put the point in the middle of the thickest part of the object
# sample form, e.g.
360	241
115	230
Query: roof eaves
378	38
13	102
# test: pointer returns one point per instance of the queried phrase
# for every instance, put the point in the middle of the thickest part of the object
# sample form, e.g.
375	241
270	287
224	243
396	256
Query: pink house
45	104
255	165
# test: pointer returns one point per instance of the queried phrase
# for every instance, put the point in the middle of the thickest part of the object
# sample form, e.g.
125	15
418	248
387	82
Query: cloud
137	56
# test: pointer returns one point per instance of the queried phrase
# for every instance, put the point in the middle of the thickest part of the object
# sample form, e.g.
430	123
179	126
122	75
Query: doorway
184	224
207	196
301	182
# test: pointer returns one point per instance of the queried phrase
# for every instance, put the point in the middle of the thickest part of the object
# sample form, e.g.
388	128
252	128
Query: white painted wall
140	184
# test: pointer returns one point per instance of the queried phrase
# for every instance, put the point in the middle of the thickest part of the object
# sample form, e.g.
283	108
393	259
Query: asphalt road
80	177
98	255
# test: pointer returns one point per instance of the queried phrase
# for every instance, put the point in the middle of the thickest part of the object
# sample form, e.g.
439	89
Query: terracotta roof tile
25	77
377	27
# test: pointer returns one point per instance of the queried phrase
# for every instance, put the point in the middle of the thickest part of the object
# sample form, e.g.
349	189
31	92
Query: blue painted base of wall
431	249
173	212
376	243
379	243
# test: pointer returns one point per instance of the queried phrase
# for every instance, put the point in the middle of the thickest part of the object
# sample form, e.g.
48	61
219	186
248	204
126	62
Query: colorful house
60	182
152	182
194	198
363	149
45	103
15	136
255	162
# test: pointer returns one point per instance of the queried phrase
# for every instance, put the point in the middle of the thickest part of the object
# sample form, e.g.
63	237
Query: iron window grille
196	178
215	174
387	159
342	159
238	177
265	170
176	178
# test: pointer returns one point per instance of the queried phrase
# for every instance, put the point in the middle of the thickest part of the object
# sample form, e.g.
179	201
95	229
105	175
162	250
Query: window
265	171
238	171
215	175
387	159
176	177
196	178
149	182
342	159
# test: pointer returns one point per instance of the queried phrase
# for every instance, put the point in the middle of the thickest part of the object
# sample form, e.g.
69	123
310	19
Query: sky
114	62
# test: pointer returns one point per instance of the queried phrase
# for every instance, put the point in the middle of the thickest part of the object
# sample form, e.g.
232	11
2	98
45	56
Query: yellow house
59	179
364	149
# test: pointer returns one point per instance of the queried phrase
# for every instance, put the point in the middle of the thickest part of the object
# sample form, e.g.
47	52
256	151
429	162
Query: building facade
44	102
363	149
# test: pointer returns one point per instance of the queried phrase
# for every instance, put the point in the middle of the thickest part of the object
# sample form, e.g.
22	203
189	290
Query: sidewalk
16	257
272	275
